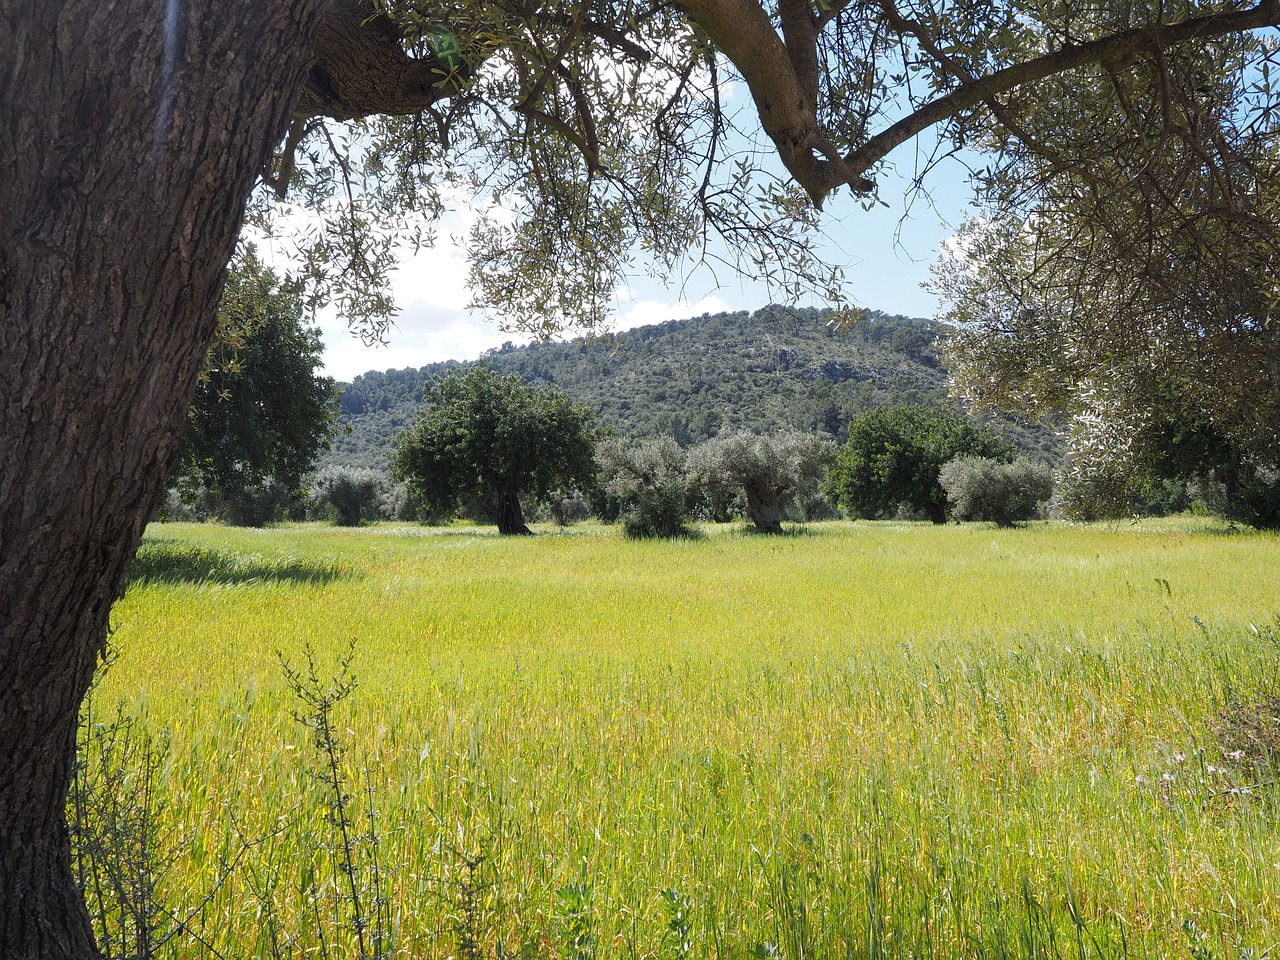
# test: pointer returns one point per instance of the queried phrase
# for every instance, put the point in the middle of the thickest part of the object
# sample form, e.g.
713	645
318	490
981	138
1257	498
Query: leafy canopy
348	495
769	470
646	485
261	412
979	488
592	137
492	439
894	455
1125	278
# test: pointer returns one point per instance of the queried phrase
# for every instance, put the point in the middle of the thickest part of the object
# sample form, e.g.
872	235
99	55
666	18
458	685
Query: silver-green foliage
647	482
980	488
348	495
771	470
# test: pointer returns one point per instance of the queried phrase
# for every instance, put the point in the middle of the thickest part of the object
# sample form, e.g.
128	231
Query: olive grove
137	136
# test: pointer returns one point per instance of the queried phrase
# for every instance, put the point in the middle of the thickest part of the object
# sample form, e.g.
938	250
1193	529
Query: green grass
862	740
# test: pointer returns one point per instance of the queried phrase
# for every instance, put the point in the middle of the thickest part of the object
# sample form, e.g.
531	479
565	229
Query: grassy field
861	740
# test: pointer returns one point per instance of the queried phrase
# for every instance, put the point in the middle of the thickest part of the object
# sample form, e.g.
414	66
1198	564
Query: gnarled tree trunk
764	507
510	516
130	135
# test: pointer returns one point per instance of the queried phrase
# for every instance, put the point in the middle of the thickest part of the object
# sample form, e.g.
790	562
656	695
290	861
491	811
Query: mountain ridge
691	378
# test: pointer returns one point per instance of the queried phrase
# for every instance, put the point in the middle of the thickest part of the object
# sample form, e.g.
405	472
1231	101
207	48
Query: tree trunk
130	140
936	511
764	507
510	517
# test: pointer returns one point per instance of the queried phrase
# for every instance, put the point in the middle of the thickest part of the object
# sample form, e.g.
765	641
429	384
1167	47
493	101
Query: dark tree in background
261	413
894	455
492	439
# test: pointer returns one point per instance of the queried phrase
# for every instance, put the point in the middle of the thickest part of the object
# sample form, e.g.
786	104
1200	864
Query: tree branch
361	68
743	32
1264	14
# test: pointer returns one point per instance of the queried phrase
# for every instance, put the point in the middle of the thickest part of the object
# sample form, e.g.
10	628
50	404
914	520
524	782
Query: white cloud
886	256
632	312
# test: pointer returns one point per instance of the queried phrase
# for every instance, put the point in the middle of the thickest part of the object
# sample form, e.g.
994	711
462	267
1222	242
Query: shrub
983	489
563	507
646	482
398	503
347	496
253	505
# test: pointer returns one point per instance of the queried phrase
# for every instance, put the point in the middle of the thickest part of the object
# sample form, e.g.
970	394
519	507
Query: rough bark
936	511
510	516
130	141
362	69
764	507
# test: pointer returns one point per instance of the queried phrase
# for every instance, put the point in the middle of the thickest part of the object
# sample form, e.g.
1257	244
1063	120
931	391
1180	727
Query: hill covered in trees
690	379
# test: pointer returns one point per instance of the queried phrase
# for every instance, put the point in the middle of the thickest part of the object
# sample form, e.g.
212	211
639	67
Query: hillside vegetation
691	379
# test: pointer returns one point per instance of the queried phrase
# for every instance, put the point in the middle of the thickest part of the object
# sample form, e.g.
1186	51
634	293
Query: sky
886	253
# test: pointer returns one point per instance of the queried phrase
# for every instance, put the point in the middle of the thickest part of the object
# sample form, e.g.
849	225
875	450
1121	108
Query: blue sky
886	253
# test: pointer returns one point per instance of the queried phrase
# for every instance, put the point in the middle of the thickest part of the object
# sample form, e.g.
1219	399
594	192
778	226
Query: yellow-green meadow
858	740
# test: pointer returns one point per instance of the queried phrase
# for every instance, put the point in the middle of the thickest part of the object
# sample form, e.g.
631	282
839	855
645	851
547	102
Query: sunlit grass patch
868	740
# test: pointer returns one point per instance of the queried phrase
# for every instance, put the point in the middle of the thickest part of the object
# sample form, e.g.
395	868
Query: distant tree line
477	443
493	447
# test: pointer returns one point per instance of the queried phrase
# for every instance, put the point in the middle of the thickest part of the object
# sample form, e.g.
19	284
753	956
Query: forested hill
692	378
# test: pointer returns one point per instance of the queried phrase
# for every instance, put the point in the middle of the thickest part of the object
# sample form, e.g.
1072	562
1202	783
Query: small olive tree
348	495
647	482
980	488
770	470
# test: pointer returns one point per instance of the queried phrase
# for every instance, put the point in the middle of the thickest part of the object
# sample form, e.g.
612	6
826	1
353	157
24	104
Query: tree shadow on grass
172	562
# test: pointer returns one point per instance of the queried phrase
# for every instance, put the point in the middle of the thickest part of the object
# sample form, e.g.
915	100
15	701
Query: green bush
347	496
980	488
646	483
893	456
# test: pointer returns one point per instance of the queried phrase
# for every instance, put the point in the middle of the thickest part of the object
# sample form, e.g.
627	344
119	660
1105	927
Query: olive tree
135	137
351	496
492	439
1129	287
647	483
979	488
770	470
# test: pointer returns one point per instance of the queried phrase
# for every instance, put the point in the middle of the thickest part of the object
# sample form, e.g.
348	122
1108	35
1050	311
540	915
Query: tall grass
861	741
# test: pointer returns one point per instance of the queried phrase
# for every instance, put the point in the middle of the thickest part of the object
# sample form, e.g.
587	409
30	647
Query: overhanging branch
968	95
